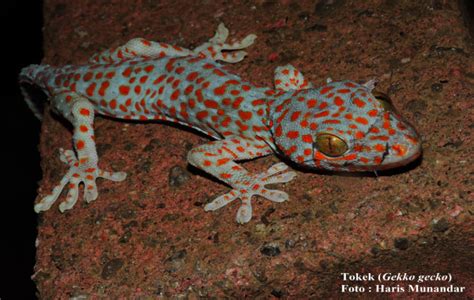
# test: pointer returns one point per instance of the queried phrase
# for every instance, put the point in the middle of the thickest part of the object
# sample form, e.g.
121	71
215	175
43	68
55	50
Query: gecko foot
218	49
255	186
86	173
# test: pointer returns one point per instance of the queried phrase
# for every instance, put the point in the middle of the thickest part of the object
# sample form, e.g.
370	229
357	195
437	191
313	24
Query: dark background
20	31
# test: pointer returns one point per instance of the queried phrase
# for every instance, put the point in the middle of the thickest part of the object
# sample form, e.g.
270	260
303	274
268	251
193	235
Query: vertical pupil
329	141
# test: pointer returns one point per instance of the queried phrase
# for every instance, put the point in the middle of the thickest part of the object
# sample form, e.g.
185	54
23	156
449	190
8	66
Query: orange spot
199	96
359	135
411	139
322	114
90	89
307	138
326	89
143	79
372	113
211	104
188	90
113	104
278	131
237	102
232	81
311	103
350	84
245	115
338	101
374	130
379	148
331	121
295	116
149	68
84	112
359	102
174	96
241	125
103	88
83	128
169	65
380	138
80	145
159	79
222	161
88	76
225	175
344	91
124	89
400	149
258	102
292	134
110	75
202	114
362	120
192	76
218	72
127	72
291	150
220	90
137	89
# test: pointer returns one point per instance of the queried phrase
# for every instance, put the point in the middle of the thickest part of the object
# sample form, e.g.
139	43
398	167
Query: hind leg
215	49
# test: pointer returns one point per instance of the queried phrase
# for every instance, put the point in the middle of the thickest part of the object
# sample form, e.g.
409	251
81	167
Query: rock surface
149	235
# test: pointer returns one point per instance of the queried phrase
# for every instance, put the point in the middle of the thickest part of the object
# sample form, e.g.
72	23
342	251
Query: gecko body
339	126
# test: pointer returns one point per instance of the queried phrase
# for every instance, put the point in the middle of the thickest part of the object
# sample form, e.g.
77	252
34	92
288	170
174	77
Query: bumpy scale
339	126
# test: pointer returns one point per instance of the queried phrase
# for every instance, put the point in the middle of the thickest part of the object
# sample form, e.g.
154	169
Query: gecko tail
36	75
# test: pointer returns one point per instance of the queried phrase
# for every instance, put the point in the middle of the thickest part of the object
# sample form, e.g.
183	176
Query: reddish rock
147	237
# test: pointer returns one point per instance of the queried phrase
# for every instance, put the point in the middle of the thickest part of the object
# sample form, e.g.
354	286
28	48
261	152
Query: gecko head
344	126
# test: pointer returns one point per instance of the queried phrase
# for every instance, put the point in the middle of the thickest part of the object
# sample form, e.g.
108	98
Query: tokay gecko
341	126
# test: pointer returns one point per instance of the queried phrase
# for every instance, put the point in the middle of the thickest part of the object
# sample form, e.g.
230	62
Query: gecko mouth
412	154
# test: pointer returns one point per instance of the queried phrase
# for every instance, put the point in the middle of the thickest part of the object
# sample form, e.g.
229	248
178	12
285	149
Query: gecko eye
385	101
330	144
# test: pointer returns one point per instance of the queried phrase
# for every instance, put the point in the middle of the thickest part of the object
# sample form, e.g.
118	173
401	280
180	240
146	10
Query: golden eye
330	144
385	101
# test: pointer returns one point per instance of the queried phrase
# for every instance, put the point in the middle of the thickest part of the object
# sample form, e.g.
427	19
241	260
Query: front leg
83	167
217	158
